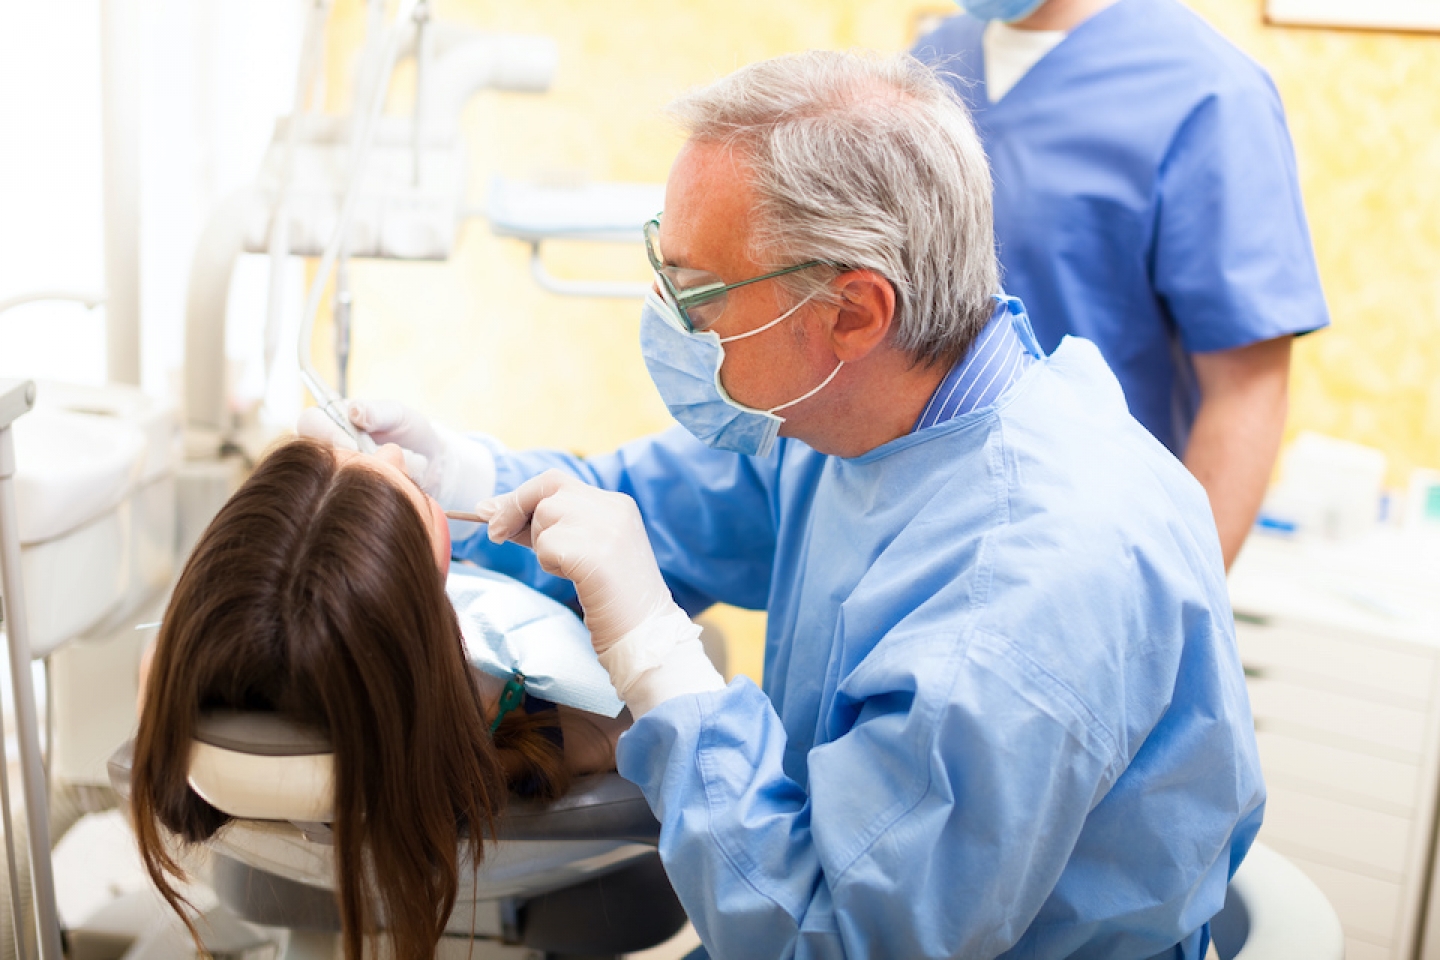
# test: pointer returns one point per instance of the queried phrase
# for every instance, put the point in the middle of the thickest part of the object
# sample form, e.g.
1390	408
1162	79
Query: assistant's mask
1006	11
686	369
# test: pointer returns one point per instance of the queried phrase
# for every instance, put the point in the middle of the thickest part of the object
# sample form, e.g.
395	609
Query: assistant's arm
1234	264
1244	399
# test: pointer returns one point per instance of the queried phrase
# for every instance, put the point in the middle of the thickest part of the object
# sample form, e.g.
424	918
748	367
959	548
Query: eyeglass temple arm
705	294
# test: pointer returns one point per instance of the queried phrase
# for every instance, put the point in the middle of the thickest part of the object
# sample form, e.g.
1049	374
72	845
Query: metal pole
17	910
341	316
16	398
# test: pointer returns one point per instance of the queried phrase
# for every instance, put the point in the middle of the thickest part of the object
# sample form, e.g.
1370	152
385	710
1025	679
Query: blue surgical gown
1003	713
1146	197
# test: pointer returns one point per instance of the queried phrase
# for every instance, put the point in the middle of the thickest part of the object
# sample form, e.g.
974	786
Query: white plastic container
1328	487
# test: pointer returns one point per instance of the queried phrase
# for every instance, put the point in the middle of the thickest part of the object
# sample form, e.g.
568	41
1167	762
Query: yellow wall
477	344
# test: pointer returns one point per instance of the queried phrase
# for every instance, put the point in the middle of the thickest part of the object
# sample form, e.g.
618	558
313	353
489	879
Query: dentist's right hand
454	469
597	540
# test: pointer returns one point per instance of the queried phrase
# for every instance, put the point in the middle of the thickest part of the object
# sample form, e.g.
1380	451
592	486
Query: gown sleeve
1233	260
710	515
847	865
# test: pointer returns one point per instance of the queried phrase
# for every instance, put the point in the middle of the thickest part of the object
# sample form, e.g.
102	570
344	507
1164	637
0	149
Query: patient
318	592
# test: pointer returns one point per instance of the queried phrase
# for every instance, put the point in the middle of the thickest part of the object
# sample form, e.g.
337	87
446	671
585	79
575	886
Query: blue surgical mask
686	369
1007	11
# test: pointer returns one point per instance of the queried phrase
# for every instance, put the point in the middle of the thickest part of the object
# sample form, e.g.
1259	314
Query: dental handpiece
363	442
334	408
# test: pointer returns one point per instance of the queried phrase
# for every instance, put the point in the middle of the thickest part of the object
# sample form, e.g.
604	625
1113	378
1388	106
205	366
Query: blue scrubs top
1003	711
1146	197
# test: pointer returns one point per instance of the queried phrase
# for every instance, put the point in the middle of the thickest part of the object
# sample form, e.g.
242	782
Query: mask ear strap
807	396
767	326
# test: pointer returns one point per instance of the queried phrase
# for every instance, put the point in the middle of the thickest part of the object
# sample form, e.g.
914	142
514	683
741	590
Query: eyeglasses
699	295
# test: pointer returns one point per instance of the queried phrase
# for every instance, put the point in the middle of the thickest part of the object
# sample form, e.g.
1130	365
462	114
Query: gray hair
867	162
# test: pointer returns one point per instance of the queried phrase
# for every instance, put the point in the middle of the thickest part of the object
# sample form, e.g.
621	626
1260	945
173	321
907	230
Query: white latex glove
455	470
596	540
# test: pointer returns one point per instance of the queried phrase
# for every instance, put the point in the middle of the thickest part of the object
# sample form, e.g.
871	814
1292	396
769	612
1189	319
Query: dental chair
577	878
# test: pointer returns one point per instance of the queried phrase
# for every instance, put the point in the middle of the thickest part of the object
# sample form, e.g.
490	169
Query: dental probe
466	517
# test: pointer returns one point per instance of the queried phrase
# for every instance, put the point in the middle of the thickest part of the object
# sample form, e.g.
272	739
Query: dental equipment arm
593	213
596	539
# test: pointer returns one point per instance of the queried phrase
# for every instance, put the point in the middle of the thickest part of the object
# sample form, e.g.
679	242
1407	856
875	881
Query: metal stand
17	397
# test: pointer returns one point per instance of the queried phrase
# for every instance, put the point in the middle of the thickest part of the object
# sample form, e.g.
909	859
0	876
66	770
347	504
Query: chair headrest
260	733
259	766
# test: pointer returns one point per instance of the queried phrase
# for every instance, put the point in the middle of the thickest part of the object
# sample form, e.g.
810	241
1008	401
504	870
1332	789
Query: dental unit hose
328	399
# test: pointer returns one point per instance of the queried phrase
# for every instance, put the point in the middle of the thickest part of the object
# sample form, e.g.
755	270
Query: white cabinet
1341	647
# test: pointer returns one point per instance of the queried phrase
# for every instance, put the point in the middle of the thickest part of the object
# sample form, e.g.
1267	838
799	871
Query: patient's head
389	462
318	592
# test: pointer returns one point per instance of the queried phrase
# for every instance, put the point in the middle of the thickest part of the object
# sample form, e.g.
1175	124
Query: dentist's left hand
597	540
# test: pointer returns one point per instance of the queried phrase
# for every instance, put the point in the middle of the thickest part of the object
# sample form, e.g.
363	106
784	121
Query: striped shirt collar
995	360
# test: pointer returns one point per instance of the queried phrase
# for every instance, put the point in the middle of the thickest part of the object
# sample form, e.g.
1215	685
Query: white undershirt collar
1010	53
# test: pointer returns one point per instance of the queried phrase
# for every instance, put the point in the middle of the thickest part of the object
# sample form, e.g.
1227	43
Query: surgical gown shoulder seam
1016	654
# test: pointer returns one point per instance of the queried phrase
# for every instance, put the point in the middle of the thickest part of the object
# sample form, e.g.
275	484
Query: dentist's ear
864	316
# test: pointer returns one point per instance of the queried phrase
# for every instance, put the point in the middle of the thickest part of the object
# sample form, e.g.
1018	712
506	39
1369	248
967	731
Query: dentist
1002	710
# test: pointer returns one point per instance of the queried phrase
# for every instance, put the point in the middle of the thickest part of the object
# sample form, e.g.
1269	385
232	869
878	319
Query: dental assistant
1146	198
1002	713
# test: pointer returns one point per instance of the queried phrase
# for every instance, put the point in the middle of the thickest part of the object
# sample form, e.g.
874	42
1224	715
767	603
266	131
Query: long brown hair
314	593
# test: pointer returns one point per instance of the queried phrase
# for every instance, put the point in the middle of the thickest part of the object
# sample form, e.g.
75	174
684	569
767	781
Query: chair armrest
603	806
